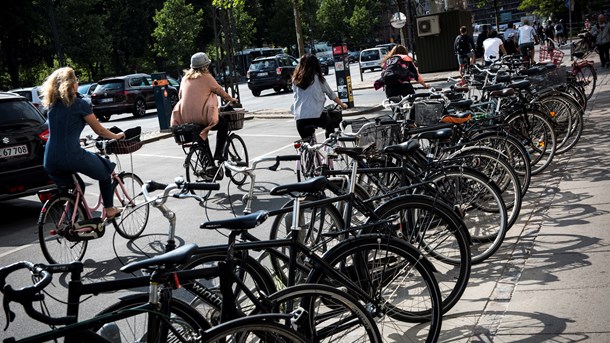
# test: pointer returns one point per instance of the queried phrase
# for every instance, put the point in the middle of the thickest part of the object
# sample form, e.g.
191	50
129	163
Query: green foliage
177	28
244	25
281	26
543	8
360	25
331	17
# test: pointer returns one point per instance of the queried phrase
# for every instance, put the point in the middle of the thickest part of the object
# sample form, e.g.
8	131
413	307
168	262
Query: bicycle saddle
439	134
578	54
523	84
506	92
459	117
495	87
178	256
352	152
404	148
238	223
312	185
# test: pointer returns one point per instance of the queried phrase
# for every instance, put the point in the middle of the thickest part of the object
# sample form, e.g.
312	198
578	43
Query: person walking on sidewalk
67	116
310	86
527	38
601	33
464	50
198	102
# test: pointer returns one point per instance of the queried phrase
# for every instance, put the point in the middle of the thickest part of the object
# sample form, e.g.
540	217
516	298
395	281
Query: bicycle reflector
44	195
552	113
297	145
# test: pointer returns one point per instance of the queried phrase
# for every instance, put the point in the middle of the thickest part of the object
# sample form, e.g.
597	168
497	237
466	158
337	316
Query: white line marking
17	249
164	156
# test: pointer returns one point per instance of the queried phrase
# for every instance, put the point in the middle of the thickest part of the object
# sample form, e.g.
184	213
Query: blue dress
63	152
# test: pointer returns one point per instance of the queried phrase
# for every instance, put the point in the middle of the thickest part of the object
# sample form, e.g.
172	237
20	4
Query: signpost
342	74
398	21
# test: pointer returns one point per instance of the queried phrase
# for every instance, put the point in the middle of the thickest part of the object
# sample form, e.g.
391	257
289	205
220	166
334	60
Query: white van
371	58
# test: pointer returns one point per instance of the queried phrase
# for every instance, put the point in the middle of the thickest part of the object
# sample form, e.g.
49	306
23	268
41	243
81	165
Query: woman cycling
309	88
67	116
402	88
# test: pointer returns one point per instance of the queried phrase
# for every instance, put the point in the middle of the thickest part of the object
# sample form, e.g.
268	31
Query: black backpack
397	71
462	46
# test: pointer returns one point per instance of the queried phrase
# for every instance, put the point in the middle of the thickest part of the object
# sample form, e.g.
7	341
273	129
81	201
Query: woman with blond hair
67	116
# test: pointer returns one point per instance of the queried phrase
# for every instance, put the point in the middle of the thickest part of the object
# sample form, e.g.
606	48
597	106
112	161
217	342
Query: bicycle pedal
90	228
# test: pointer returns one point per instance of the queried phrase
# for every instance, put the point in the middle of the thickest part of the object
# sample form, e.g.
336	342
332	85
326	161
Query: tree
492	3
178	25
331	17
361	23
281	26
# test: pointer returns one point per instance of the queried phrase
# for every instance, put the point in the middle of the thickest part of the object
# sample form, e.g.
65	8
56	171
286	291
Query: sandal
113	212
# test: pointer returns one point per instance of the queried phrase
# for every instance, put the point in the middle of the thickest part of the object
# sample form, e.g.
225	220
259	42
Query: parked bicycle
67	223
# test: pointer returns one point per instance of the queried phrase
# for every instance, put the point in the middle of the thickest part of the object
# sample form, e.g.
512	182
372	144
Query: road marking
16	249
164	156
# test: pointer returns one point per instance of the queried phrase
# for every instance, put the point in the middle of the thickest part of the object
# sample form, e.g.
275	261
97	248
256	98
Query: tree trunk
297	26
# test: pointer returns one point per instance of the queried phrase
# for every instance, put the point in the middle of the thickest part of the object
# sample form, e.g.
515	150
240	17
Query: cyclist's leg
222	133
307	127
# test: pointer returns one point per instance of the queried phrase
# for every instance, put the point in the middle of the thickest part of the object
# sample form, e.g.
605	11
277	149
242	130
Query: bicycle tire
236	152
334	315
560	114
327	219
196	163
434	228
537	135
493	164
182	316
307	165
587	75
259	328
577	123
134	217
382	262
515	153
478	202
57	241
252	273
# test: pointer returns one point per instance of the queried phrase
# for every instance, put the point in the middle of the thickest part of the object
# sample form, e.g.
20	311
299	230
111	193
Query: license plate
262	74
13	151
106	100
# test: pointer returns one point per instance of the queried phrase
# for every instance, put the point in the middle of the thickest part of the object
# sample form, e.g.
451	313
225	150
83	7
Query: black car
326	63
23	135
132	93
273	72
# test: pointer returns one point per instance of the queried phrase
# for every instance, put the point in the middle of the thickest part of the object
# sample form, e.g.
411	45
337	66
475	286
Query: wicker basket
426	113
186	133
124	146
235	119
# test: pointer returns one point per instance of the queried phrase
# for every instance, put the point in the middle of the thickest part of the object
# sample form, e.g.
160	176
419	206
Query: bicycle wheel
435	230
259	328
236	152
197	162
478	202
307	166
398	279
493	164
204	295
536	133
332	315
588	77
314	222
576	123
560	114
128	194
58	240
184	319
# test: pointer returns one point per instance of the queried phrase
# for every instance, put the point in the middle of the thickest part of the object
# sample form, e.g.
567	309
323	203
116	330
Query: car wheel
256	92
139	108
173	98
288	86
277	89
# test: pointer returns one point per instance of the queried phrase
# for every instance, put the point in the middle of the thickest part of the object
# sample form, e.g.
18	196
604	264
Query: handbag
332	115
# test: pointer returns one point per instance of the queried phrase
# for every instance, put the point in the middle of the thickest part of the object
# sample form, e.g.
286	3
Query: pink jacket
198	103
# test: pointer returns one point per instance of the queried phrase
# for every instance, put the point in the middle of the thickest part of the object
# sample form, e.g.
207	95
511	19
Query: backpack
462	46
397	71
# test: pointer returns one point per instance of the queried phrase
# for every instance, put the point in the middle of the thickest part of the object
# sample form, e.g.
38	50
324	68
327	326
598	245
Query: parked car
271	72
324	65
23	135
371	58
86	89
123	94
34	95
353	56
174	83
388	46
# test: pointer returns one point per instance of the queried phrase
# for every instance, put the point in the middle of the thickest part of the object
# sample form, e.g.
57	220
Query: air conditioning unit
428	26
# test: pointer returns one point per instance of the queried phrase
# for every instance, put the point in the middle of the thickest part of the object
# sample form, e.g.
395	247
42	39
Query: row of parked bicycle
376	242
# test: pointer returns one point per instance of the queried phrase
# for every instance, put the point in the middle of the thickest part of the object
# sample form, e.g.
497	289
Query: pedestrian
403	87
601	33
198	103
67	115
310	86
493	48
526	40
480	39
464	47
510	44
559	32
549	31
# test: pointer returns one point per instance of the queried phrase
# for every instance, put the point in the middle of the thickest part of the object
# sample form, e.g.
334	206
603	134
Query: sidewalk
550	280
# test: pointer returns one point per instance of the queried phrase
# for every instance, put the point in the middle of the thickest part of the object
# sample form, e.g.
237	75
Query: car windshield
25	94
83	89
371	55
15	112
116	85
263	65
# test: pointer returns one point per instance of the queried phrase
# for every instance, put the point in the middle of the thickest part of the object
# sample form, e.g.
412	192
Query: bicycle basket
379	135
426	113
129	144
235	119
333	115
186	133
554	56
